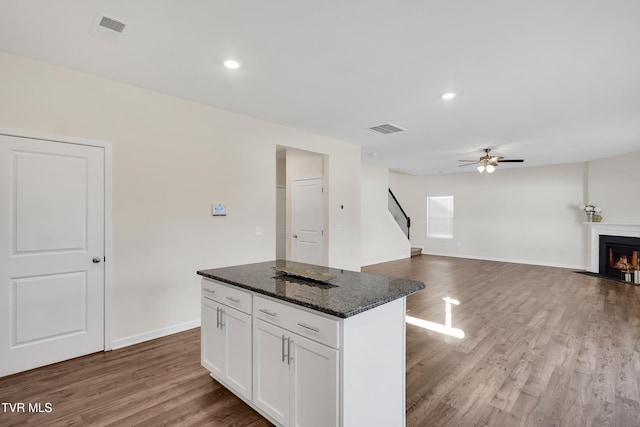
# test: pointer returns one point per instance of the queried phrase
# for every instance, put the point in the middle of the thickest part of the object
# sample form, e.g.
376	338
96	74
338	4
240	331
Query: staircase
402	219
399	214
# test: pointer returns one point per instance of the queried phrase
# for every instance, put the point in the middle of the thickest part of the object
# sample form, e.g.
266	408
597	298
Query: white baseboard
157	333
510	260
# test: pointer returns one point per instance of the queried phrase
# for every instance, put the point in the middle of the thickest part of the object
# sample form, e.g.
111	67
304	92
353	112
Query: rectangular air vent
112	24
107	27
387	128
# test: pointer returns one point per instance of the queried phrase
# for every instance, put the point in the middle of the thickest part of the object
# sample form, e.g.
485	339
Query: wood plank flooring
542	347
159	382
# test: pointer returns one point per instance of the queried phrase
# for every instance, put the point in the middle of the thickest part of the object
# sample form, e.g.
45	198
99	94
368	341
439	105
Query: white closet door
308	221
52	219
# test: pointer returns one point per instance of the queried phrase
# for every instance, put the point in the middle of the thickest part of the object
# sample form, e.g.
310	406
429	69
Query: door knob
96	259
295	236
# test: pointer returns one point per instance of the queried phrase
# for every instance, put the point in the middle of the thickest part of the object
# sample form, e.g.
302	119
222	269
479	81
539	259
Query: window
440	217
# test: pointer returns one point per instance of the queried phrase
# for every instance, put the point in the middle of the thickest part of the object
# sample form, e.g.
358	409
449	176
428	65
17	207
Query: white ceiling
548	81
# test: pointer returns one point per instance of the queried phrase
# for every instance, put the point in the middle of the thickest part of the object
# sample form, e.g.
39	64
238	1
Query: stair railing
399	214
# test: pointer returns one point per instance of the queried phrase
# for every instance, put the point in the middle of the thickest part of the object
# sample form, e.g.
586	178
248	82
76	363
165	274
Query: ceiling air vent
107	27
112	24
387	128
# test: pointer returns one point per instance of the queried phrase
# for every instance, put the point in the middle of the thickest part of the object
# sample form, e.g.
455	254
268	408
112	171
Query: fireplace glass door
619	255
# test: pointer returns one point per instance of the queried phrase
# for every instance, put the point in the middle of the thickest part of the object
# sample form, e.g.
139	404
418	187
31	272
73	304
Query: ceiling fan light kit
488	163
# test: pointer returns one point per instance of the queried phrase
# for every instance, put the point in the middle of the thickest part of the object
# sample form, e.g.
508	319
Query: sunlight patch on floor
445	329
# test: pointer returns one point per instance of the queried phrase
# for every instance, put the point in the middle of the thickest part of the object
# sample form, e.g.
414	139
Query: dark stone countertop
348	294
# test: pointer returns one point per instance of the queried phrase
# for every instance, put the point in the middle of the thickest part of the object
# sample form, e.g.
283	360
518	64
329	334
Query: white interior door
307	219
52	219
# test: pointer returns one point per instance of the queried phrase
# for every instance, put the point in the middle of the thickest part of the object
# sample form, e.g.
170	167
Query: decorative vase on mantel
591	210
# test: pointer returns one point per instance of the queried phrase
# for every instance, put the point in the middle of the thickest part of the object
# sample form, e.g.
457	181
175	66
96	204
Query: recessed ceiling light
230	63
448	95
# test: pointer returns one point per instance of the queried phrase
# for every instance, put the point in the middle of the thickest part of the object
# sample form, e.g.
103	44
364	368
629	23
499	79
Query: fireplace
619	256
614	249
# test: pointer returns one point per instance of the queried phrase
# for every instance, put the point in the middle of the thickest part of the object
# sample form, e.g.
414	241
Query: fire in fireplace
619	256
623	260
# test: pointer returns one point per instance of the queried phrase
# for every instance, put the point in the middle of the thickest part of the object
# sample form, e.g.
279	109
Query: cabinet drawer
227	295
302	322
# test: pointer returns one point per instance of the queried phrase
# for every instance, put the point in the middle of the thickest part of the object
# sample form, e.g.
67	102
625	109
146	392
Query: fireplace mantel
601	228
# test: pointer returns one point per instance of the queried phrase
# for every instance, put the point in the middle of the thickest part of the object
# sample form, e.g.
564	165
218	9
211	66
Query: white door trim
106	146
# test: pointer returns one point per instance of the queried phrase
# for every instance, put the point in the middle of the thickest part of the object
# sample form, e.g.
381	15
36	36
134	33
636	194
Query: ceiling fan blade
511	160
469	164
469	161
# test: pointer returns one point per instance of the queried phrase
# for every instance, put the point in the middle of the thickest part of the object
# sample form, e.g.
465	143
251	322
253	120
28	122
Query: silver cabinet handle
268	313
222	317
288	350
232	299
311	328
283	348
217	317
209	291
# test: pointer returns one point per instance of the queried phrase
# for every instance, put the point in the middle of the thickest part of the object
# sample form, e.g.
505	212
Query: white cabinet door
295	379
313	383
271	371
212	338
237	332
226	345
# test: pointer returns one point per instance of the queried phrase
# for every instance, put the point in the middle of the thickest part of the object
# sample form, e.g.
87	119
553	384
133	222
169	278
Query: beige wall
614	185
382	239
525	215
171	160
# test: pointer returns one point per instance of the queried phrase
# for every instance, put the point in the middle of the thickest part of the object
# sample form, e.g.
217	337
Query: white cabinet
226	344
271	371
295	379
303	368
313	383
212	338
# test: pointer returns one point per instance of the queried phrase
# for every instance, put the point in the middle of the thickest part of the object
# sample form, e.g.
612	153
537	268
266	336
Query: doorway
301	221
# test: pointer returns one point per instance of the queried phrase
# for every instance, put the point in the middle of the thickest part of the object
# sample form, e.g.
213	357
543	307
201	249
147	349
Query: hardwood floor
542	346
159	382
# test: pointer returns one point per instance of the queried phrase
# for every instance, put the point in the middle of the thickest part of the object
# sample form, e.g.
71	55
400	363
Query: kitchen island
308	345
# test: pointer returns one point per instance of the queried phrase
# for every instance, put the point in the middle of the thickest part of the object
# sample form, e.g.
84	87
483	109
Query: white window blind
440	217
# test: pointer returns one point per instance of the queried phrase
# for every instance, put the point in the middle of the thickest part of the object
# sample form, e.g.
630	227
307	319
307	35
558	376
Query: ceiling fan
488	162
